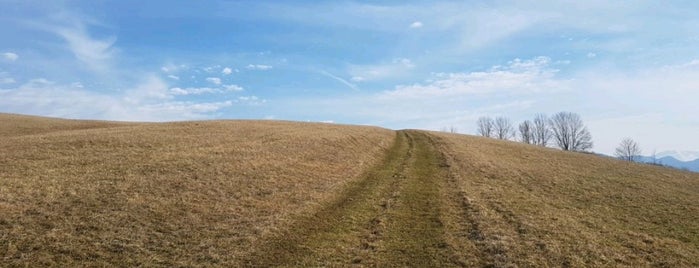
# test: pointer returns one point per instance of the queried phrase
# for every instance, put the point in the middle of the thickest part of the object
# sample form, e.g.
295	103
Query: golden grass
17	125
530	206
169	194
389	218
246	193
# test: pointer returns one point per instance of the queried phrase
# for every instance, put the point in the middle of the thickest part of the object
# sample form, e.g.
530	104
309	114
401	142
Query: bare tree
628	150
450	129
485	126
526	133
654	157
540	130
569	132
503	128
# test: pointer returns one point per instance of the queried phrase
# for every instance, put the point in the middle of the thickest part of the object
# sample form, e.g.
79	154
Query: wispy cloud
10	56
232	87
6	79
416	24
339	79
259	67
396	68
227	71
214	80
149	100
173	68
251	100
193	90
204	90
95	53
517	77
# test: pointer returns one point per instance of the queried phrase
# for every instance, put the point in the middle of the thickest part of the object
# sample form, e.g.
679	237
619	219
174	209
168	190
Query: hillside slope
264	193
531	206
166	194
18	125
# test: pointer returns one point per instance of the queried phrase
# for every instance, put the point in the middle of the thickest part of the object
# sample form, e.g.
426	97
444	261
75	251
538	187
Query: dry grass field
533	207
265	193
78	193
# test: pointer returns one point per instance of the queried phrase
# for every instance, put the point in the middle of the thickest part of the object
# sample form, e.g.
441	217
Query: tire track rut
391	216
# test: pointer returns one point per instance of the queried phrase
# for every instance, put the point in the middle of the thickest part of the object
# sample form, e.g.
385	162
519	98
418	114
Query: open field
530	206
265	193
171	194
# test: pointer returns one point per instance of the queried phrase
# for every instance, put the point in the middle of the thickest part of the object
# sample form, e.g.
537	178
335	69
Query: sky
628	68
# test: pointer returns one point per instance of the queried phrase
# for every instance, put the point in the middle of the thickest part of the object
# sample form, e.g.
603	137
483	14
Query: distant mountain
672	161
684	156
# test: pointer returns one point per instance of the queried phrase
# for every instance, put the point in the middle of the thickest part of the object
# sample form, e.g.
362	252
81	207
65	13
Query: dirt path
392	216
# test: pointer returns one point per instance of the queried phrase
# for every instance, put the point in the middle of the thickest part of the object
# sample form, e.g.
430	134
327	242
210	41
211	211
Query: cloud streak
258	67
150	100
397	68
339	79
10	56
516	78
95	53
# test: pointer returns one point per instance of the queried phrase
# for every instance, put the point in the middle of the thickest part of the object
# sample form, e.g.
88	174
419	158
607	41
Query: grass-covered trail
390	217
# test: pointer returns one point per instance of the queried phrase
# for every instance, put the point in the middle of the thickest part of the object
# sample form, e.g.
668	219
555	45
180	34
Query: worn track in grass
239	193
392	216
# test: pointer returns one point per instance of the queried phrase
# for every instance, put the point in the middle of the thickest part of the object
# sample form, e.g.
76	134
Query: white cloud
149	89
193	90
10	56
398	67
183	109
211	69
204	90
259	67
518	77
417	24
227	71
232	87
358	79
339	79
251	100
591	55
173	68
214	80
150	100
173	77
94	53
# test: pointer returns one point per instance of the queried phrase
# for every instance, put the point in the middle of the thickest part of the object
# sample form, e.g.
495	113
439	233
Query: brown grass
528	206
263	193
171	194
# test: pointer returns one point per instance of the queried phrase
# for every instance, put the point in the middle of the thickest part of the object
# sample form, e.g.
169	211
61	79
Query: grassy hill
534	206
170	194
267	193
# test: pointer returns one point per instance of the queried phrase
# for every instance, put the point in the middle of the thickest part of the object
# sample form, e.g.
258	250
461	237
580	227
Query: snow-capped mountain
684	156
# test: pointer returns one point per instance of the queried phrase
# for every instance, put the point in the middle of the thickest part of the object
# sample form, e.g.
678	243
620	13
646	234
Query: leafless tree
654	158
569	132
526	133
628	150
503	128
451	129
485	126
541	132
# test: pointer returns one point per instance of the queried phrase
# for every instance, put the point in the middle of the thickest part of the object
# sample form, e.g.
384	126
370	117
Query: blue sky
629	68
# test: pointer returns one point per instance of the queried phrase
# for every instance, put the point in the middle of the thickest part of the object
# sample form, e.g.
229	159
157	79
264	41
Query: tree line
566	129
